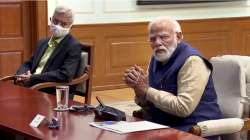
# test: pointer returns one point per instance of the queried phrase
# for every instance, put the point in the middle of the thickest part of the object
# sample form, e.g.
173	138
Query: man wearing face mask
57	58
177	90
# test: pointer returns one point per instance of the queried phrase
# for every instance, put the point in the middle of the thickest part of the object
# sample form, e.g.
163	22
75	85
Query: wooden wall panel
15	35
211	37
10	27
113	42
211	44
119	46
40	13
246	41
121	52
10	20
9	62
116	46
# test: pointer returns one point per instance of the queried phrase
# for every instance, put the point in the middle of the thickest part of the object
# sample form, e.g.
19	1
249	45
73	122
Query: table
20	105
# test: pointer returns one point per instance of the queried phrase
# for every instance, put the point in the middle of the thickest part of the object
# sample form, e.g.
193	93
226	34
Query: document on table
123	127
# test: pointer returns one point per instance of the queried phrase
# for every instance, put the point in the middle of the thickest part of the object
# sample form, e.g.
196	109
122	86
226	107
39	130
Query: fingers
139	69
130	79
22	77
18	79
134	76
28	72
131	76
129	70
86	70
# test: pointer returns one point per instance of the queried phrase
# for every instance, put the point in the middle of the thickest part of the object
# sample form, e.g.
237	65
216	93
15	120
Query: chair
231	77
83	81
220	127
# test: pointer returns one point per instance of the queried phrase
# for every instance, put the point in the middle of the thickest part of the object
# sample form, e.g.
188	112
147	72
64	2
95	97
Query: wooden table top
20	105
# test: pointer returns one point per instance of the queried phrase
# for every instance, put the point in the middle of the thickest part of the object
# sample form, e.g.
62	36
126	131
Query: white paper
122	127
37	120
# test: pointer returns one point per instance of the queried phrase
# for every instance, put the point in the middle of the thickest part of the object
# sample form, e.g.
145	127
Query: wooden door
15	35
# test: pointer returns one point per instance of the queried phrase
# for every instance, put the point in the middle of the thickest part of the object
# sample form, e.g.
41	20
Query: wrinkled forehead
160	34
161	27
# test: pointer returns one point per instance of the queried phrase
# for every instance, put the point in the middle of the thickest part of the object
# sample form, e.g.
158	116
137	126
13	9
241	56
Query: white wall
124	11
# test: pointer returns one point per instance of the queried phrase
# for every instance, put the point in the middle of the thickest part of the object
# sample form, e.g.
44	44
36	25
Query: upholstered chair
231	77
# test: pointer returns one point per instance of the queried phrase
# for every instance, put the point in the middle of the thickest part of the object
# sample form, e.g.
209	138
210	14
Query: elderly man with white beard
177	90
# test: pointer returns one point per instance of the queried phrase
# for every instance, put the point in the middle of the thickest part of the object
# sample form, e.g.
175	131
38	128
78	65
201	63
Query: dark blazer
61	66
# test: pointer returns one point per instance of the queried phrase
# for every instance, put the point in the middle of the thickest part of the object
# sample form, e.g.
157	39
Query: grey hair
177	27
65	10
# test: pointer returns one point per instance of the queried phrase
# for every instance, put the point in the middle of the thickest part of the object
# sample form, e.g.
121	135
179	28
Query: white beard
162	53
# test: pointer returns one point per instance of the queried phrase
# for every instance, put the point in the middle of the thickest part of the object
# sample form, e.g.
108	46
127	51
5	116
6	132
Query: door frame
39	14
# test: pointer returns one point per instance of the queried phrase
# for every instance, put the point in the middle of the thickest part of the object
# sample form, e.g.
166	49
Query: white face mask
58	31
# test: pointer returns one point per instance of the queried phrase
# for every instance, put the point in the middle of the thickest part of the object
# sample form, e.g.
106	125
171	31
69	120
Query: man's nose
158	41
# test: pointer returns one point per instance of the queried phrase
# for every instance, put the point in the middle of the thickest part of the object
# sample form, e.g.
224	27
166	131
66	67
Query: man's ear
179	36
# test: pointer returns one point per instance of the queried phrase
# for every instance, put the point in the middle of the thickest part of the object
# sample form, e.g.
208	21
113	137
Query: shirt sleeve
192	80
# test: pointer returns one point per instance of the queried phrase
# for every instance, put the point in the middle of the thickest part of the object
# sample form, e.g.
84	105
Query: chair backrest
229	85
244	62
84	88
229	77
83	64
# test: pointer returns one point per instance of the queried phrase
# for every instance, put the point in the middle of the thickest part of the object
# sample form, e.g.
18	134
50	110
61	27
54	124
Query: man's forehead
61	17
162	26
160	33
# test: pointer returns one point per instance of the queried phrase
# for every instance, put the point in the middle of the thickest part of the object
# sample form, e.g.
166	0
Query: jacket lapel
60	47
40	54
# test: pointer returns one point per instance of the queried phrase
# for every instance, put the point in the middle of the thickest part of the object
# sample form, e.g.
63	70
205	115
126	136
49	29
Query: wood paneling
15	35
119	46
11	22
40	21
121	51
9	62
211	37
246	41
211	44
